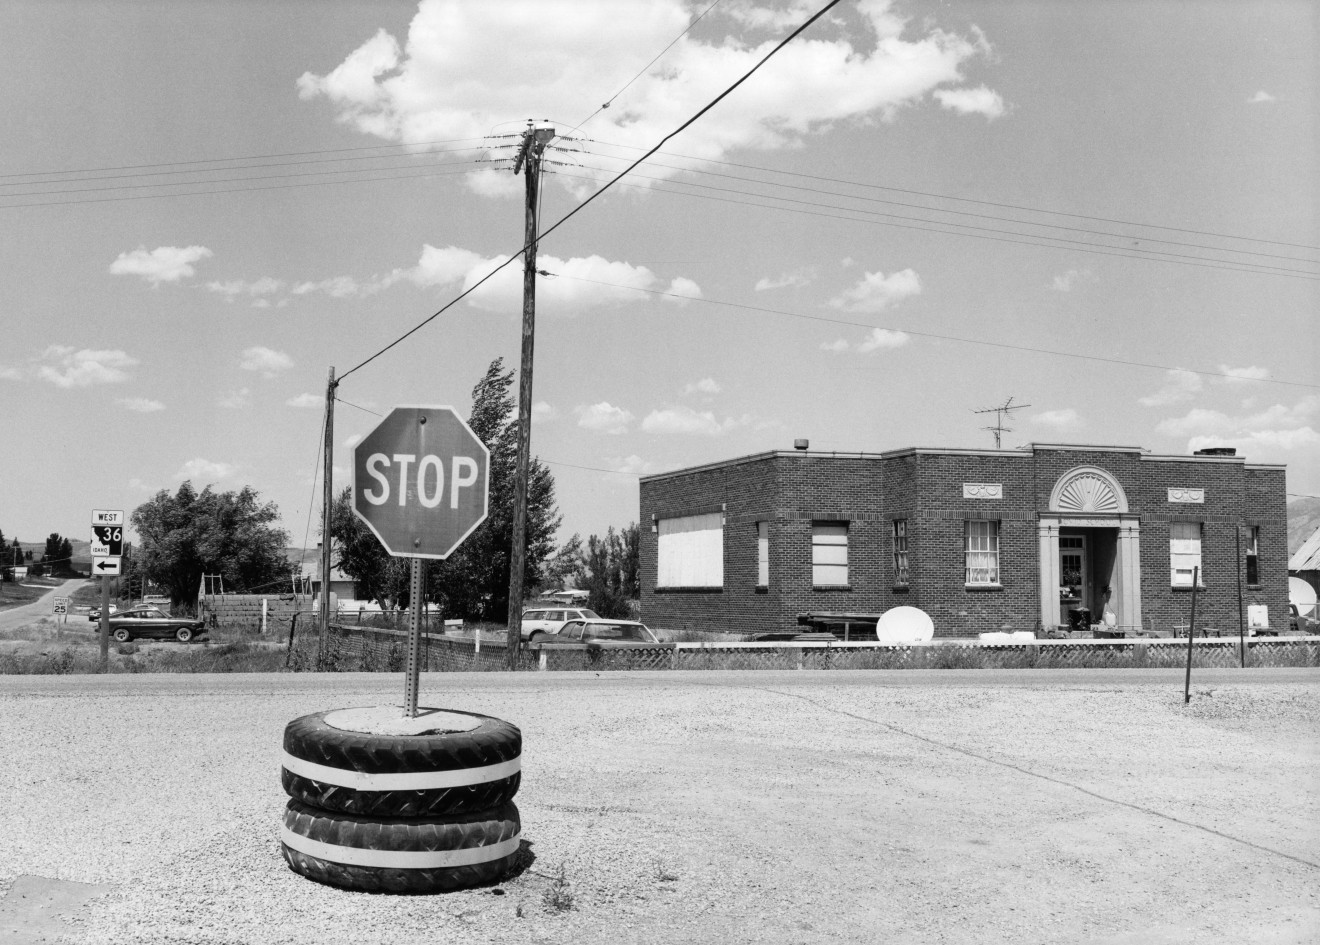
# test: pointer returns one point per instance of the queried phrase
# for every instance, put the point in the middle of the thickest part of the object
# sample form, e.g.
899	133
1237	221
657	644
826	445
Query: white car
552	619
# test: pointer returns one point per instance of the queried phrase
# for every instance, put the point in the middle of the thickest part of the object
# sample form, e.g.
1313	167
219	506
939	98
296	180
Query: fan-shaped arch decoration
1088	490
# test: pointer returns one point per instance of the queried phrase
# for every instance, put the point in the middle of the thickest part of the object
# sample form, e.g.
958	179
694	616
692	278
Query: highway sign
107	516
421	481
61	605
107	540
106	566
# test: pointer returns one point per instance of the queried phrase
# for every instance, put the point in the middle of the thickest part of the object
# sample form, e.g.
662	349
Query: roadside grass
14	594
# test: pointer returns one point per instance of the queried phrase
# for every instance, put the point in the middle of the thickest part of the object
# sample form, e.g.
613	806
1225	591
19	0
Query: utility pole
529	163
327	502
999	429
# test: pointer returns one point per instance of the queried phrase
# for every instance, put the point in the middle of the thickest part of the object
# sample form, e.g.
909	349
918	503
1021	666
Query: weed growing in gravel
663	873
559	897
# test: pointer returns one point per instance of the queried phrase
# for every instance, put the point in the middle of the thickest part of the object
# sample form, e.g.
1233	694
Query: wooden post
327	501
1191	636
1242	617
103	664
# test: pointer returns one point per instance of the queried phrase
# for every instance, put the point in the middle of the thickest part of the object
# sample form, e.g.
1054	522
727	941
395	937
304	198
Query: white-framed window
1185	553
829	554
1253	554
981	544
690	551
762	554
900	551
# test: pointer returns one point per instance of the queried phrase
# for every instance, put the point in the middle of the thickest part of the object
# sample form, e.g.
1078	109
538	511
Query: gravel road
797	807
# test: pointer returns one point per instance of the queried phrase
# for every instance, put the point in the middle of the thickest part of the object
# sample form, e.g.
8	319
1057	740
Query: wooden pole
103	663
1191	635
529	160
1242	618
327	503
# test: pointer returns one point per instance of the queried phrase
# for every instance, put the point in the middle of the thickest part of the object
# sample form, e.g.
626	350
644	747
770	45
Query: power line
988	203
642	71
1031	239
351	404
564	219
940	337
982	216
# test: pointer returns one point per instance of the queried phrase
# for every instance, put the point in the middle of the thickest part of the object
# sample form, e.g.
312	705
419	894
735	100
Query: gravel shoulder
798	807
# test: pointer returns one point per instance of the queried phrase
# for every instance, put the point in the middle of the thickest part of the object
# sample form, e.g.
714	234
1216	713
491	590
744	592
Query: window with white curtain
762	554
690	551
1185	553
981	542
829	554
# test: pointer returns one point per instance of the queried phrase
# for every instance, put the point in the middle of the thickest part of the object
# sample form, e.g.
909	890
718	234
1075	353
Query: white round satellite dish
904	625
1301	595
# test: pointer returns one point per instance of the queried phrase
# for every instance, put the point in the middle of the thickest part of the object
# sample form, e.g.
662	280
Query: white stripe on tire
403	780
399	859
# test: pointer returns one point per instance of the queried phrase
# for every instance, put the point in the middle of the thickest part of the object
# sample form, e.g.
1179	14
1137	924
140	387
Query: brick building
980	539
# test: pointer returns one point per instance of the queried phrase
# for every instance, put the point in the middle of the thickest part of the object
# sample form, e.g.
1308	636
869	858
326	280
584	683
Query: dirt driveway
978	807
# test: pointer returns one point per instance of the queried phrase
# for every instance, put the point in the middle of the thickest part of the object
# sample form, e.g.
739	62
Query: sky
914	211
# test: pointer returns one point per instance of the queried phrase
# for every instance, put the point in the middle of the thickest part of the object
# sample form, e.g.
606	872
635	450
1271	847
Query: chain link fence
364	648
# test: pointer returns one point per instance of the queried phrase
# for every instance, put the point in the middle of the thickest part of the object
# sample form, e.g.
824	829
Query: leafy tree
561	567
608	571
474	581
377	575
57	554
186	535
6	571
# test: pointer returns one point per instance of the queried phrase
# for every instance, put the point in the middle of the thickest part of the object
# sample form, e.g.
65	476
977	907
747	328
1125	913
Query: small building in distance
982	540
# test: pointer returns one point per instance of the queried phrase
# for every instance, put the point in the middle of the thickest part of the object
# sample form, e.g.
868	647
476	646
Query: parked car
551	619
599	634
1301	623
148	622
95	612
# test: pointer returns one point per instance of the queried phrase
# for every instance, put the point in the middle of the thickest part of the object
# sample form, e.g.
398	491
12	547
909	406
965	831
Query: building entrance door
1074	574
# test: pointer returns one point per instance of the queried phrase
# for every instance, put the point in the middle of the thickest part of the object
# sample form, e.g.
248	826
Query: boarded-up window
690	551
829	554
762	554
1253	555
1185	553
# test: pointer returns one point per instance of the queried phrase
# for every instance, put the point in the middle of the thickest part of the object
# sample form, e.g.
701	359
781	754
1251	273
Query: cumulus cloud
305	401
1271	432
452	76
1237	375
707	385
632	464
977	101
797	279
1261	96
205	471
1064	419
338	287
1179	386
265	360
603	418
162	264
575	284
10	373
543	411
880	339
1064	282
65	367
235	399
876	291
685	420
234	288
140	404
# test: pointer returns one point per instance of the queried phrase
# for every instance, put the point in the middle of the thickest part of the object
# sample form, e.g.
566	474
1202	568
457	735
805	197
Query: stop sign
420	481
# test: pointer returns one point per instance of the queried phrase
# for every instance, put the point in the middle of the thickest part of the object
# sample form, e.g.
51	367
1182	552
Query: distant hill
1303	520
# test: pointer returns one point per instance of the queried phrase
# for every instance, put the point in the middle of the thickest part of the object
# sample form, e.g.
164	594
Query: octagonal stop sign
421	481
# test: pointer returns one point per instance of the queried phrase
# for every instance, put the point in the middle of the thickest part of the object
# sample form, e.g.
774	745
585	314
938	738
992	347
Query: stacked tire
383	803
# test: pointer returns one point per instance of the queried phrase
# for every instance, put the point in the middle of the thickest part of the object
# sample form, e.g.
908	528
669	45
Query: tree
59	551
377	575
474	581
6	571
608	571
186	535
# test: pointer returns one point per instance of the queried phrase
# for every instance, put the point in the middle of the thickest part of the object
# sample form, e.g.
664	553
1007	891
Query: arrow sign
106	566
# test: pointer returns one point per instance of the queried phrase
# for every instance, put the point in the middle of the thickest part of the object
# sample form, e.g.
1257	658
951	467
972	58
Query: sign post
421	484
107	546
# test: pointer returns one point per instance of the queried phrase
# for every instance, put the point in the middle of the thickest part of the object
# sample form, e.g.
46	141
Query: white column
1127	569
1048	542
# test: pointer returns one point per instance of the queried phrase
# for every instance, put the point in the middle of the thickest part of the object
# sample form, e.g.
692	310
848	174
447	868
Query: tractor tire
400	855
374	763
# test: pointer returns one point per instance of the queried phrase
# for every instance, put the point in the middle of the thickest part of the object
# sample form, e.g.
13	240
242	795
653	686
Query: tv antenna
1000	412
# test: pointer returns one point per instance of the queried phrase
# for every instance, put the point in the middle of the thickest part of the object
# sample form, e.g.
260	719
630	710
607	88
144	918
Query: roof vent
800	444
1217	451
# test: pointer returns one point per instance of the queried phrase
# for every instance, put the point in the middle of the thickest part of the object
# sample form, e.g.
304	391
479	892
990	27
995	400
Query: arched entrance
1090	550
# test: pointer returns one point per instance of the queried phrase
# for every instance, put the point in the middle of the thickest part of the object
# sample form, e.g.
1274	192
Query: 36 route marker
421	483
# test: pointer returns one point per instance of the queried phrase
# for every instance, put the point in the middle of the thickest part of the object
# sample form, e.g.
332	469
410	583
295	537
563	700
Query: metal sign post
107	546
1191	636
421	484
